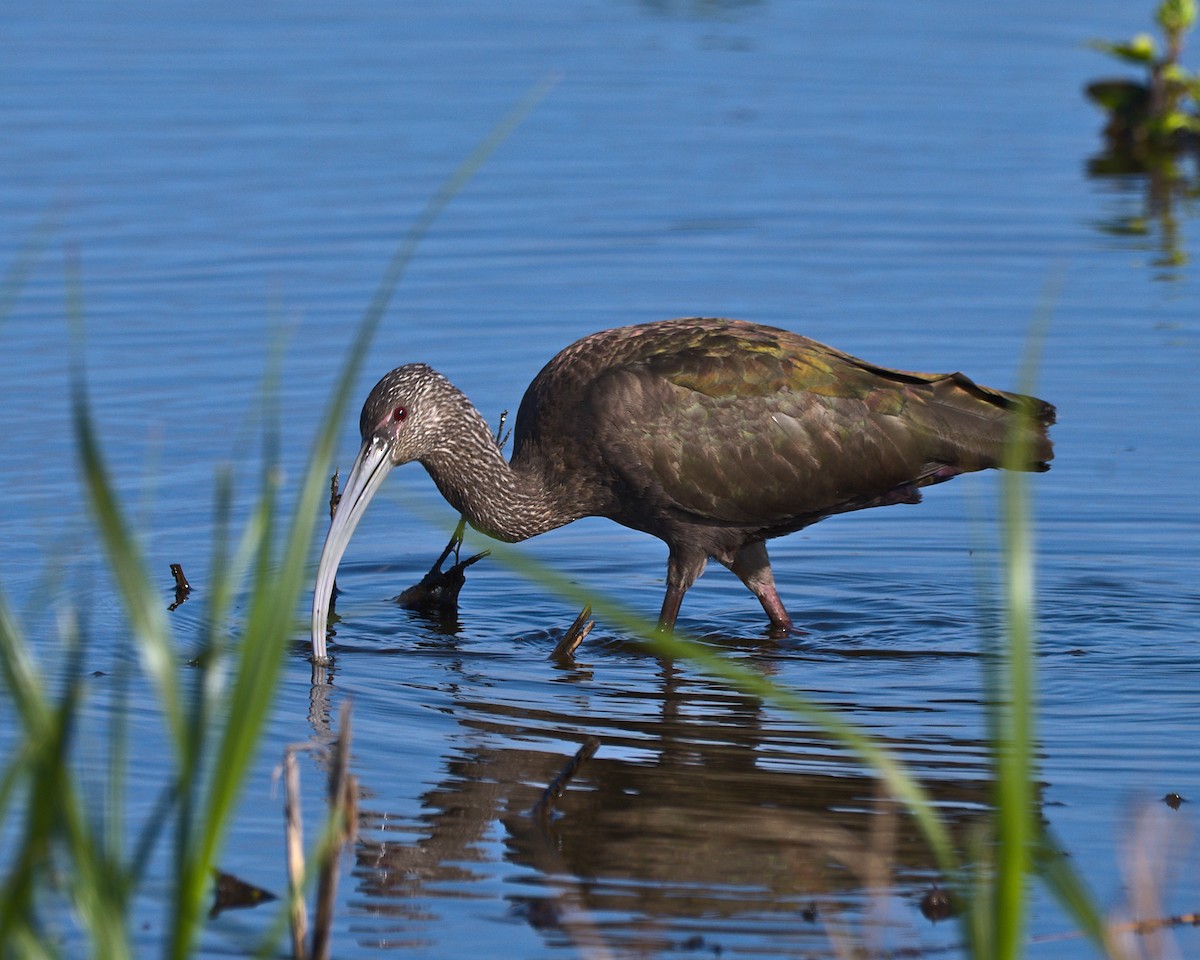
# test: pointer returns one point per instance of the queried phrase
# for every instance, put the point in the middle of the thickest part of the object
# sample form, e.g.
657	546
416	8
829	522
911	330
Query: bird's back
706	422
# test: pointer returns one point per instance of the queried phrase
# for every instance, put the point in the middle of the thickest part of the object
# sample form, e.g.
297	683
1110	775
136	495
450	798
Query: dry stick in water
566	647
502	435
542	809
294	834
335	497
343	792
343	803
1137	927
437	591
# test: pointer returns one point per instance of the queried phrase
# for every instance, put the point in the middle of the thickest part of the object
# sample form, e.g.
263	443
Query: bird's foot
778	631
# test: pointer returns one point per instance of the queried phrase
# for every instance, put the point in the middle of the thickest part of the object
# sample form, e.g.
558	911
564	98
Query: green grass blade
23	264
21	678
24	685
1064	882
56	819
98	884
141	602
279	582
1012	684
1014	744
233	697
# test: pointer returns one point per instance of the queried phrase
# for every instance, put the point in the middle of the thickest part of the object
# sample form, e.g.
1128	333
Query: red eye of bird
400	414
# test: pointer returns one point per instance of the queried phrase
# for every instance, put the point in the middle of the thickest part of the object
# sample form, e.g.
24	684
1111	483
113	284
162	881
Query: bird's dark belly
719	536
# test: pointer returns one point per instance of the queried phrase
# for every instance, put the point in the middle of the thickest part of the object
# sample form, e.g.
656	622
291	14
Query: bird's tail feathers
979	427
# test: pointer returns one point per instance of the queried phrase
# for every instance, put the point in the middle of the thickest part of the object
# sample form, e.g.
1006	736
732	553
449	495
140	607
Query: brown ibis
713	435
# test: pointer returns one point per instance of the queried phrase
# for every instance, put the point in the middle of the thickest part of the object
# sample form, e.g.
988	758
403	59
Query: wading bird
713	435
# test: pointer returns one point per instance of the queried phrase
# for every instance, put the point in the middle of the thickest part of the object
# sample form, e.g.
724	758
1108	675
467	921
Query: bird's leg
670	610
682	571
753	567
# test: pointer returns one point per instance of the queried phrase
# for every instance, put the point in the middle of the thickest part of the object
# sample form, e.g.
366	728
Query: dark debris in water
697	942
182	587
541	913
564	650
438	590
936	905
231	893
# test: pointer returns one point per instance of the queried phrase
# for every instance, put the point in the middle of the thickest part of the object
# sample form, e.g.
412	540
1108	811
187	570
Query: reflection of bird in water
713	435
706	812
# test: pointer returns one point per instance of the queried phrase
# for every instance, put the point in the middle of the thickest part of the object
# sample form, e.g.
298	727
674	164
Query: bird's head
404	413
402	420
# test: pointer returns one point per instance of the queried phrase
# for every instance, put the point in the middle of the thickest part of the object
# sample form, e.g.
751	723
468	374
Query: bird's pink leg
781	622
753	567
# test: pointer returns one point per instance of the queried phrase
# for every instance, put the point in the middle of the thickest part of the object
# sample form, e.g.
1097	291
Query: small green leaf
1124	97
1171	122
1141	49
1176	16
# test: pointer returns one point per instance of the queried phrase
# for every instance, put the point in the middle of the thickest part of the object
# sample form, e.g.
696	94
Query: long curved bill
371	466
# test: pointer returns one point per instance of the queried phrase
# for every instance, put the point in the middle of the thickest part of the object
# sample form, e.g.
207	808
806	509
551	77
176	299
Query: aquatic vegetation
1153	126
1153	119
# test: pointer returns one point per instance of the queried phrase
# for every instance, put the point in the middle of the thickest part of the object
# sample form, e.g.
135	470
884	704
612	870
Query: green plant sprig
1166	107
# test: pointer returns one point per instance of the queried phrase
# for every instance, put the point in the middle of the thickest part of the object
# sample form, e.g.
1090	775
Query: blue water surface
907	182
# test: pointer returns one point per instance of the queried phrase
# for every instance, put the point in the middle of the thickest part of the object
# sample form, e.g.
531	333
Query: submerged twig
550	796
342	828
1136	927
343	805
439	589
575	635
501	435
294	841
335	497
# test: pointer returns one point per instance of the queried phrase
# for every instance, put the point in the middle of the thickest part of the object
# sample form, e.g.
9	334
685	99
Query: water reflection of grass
1153	127
1153	203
